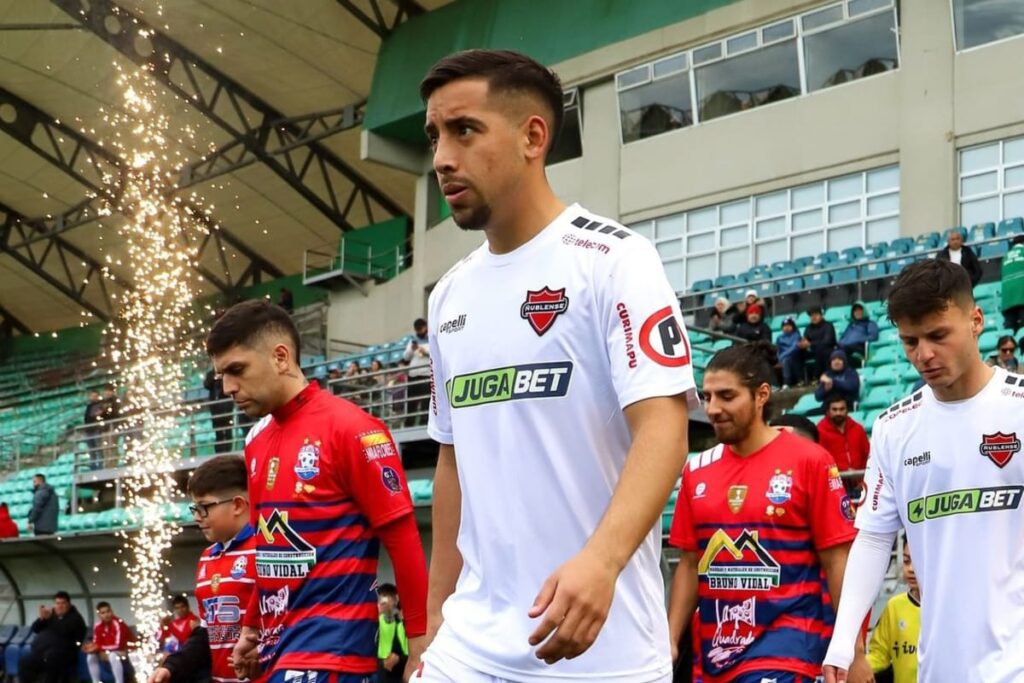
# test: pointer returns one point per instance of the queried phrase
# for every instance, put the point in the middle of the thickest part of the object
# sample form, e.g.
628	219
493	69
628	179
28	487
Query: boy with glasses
226	574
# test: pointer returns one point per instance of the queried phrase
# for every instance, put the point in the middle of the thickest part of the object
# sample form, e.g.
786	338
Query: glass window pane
670	65
884	179
1014	177
979	184
674	272
741	43
770	252
983	21
1013	205
734	261
840	213
645	229
778	31
731	237
1013	151
633	77
978	158
886	203
655	108
808	245
979	211
770	204
771	227
670	249
670	226
736	212
569	143
706	53
696	243
861	6
807	220
750	80
845	187
883	230
844	238
808	195
700	268
822	17
702	219
850	51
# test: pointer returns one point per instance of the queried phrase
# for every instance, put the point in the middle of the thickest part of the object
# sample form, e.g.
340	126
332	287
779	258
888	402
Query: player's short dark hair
219	474
387	590
245	322
752	363
62	595
40	475
179	600
836	398
799	424
101	605
927	287
505	72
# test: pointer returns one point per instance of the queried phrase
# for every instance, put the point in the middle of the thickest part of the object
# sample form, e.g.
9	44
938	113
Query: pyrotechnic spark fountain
153	338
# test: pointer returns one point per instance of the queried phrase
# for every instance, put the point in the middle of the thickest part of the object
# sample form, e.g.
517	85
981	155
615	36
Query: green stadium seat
421	491
988	340
909	374
806	405
880	397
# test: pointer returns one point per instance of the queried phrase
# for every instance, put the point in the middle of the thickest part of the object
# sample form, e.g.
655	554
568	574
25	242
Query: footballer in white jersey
560	398
946	466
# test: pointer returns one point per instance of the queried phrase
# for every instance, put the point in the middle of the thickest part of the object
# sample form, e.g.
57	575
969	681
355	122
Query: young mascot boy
225	576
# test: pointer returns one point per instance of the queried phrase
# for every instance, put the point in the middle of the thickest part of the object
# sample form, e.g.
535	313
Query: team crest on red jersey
542	307
999	447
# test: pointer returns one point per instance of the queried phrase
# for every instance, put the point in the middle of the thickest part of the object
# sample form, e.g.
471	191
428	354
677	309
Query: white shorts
440	668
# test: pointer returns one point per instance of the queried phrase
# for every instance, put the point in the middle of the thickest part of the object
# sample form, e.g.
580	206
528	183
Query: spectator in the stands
92	429
1006	354
42	517
716	318
351	370
111	411
397	391
417	352
790	357
798	424
752	299
858	333
958	252
221	406
1012	275
839	379
734	315
754	328
286	300
60	631
844	438
819	340
8	527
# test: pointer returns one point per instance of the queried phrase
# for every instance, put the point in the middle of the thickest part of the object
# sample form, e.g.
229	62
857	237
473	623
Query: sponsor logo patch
454	325
215	583
846	507
999	447
307	463
736	496
377	446
627	329
964	502
279	562
700	490
239	567
542	307
392	482
582	243
918	460
735	632
835	481
663	341
272	468
274	603
779	486
517	382
740	564
223	609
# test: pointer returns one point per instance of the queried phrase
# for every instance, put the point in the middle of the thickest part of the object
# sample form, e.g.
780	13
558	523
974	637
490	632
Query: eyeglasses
1008	349
203	509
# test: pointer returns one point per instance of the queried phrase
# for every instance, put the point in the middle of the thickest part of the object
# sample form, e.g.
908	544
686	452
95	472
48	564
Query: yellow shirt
894	642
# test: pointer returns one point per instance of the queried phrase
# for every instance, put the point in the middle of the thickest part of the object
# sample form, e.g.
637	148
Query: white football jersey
535	355
952	474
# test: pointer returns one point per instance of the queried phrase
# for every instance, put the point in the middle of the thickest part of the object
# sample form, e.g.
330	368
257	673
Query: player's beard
837	421
733	432
477	218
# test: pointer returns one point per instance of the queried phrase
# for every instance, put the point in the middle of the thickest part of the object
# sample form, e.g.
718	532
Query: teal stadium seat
1010	226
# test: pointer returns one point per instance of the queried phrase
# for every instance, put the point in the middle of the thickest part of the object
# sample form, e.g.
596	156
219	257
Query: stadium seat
1010	226
899	264
930	240
902	245
884	356
851	254
702	285
826	259
993	250
871	271
724	280
817	280
987	290
808	405
763	289
844	275
803	263
909	374
877	250
781	268
793	284
879	397
988	340
981	232
837	315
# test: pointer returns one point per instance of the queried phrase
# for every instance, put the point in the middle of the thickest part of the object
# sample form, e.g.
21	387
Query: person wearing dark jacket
858	332
42	517
220	412
819	340
839	379
8	529
754	328
60	631
958	252
733	316
790	356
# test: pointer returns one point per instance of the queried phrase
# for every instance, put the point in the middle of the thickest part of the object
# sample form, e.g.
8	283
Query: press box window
569	143
655	98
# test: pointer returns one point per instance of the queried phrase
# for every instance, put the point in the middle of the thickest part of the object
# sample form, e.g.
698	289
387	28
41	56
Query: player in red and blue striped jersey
326	490
757	520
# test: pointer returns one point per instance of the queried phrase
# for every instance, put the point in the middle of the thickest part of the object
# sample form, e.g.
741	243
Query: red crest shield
999	447
542	307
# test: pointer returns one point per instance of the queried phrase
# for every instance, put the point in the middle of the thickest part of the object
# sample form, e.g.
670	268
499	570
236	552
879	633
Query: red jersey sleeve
372	472
682	535
828	507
